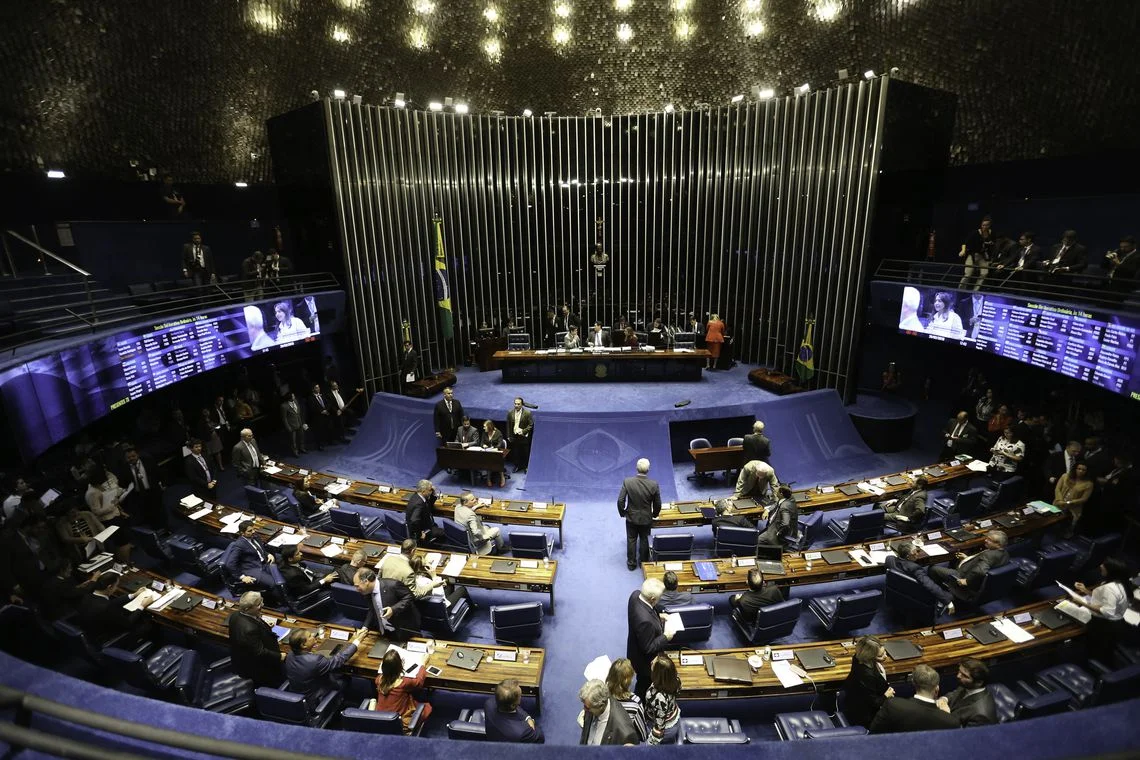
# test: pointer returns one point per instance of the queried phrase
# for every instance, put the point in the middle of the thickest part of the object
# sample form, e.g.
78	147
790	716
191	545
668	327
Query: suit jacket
912	506
751	602
574	341
526	422
781	522
588	340
1075	258
306	502
315	410
639	500
975	710
510	727
646	635
292	418
254	651
966	311
863	693
243	460
299	580
966	441
198	477
675	599
190	262
244	559
974	571
619	729
405	615
470	436
1127	269
757	446
417	516
410	363
901	715
396	567
1013	256
904	566
125	474
446	423
311	673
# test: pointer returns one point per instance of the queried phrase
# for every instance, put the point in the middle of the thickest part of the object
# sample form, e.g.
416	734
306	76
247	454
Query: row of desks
602	366
476	572
796	564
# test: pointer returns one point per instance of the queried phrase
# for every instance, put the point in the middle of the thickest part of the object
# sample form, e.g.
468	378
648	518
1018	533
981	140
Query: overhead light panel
766	94
435	105
737	98
241	184
461	108
869	74
56	174
399	101
339	94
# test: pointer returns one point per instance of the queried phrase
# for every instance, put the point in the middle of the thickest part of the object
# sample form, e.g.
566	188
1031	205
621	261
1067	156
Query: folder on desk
836	557
814	659
378	649
287	469
901	649
267	532
934	471
850	490
801	496
706	571
985	633
185	603
316	542
320	481
329	647
897	480
364	490
743	503
688	509
1052	619
731	669
504	566
518	506
465	658
709	513
959	535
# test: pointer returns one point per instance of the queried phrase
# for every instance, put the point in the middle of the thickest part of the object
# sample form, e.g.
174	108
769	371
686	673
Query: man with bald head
247	458
908	318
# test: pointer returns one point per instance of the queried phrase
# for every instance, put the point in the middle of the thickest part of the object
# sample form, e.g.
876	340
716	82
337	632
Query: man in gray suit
639	502
964	581
598	338
911	508
247	458
605	721
293	420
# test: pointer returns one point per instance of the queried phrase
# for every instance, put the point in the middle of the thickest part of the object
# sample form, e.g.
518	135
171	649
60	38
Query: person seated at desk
911	508
572	339
397	566
254	651
658	337
921	713
300	580
964	581
1107	601
758	595
971	702
755	479
467	434
505	721
346	572
783	519
866	689
493	439
101	612
598	338
312	674
394	690
250	561
425	583
672	597
306	502
484	540
631	338
418	515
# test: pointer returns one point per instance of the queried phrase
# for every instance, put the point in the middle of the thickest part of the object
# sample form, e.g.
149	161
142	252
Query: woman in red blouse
394	689
714	338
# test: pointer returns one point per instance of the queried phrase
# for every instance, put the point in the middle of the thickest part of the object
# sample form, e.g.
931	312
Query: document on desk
413	661
432	560
145	598
287	539
861	557
783	671
977	465
673	623
231	518
454	566
934	550
201	513
190	501
331	550
335	489
166	599
1074	610
271	469
1013	631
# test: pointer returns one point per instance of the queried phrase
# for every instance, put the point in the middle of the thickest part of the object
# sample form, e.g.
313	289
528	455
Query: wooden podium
430	386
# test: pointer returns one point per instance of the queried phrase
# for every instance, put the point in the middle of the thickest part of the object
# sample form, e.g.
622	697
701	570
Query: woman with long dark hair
394	689
944	320
661	701
866	686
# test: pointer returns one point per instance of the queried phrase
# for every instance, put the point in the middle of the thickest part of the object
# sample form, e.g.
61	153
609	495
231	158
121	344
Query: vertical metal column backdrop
757	211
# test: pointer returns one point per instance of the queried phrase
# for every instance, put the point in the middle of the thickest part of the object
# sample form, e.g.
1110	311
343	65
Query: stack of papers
673	623
336	489
1073	610
1043	507
934	550
201	513
331	550
978	465
145	598
190	501
1013	631
166	599
271	469
454	566
783	671
432	560
96	562
287	539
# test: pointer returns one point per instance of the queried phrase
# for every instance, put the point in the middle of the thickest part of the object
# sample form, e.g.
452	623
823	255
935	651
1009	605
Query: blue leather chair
152	542
234	584
1092	551
860	526
394	524
212	688
905	595
270	502
193	556
349	602
735	442
1003	495
810	528
1005	701
1099	687
814	724
79	644
282	706
437	617
315	599
711	731
517	622
455	536
846	612
731	540
699	443
962	506
773	622
1052	565
1040	705
531	544
154	672
351	523
471	725
365	721
999	582
664	547
698	622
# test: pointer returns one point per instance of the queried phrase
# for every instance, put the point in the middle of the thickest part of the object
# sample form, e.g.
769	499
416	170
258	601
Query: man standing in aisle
448	416
520	425
638	502
198	261
247	458
757	445
293	420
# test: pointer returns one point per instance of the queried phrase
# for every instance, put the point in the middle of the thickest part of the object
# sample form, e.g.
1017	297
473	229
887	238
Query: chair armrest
145	648
417	717
219	664
364	703
1100	668
1031	691
327	700
717	739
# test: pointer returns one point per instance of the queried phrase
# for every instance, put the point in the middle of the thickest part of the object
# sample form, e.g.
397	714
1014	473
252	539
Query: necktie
257	548
385	624
198	255
1060	254
253	453
320	402
958	431
449	407
202	462
140	478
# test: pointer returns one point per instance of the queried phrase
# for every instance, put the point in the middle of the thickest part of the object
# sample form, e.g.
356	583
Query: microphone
680	404
529	405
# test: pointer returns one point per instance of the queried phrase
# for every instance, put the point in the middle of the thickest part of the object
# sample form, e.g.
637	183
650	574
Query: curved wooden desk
538	513
604	365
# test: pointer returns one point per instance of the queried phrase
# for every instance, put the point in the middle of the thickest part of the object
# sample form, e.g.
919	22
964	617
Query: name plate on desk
1028	511
505	656
158	585
813	555
674	566
1022	617
985	523
338	635
782	654
210	604
878	547
952	633
934	536
692	659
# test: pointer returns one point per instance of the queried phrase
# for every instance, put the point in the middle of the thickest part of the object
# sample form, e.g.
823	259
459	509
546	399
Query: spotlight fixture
448	102
357	100
668	108
56	174
491	13
766	94
562	10
803	89
399	101
338	94
315	95
461	108
841	74
623	5
527	113
340	34
894	70
737	98
624	32
869	74
561	34
241	184
435	105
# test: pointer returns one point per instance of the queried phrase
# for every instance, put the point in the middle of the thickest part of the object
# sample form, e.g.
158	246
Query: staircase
38	306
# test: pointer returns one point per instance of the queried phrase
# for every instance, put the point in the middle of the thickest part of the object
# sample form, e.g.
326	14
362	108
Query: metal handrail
46	252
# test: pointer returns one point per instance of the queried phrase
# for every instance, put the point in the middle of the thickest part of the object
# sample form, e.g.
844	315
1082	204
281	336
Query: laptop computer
329	647
814	659
985	633
1052	619
836	557
266	532
316	542
897	480
504	566
934	471
378	649
731	669
689	509
706	571
901	649
287	469
739	504
850	490
801	496
468	659
453	445
372	552
185	603
1008	521
364	490
322	480
959	535
770	559
518	506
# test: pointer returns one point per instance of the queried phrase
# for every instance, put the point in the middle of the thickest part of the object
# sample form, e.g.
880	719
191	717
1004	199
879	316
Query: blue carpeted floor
593	583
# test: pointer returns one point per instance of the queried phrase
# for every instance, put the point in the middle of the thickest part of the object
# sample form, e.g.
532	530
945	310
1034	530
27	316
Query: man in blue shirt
505	720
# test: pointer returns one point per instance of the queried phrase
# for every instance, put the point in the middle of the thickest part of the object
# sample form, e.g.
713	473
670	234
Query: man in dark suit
910	509
1123	266
204	483
409	365
758	596
756	444
198	261
293	420
1068	256
971	703
606	721
247	458
505	721
313	674
144	501
418	515
1020	258
467	434
448	416
961	436
921	713
783	519
392	610
254	652
598	338
970	311
646	637
1060	462
671	597
639	501
250	561
299	580
566	320
520	426
964	581
320	417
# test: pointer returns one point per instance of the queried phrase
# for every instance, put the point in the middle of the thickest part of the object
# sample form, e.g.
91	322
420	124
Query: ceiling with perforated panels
115	88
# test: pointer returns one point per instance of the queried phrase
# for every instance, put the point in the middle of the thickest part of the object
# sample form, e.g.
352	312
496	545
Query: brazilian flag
805	364
442	291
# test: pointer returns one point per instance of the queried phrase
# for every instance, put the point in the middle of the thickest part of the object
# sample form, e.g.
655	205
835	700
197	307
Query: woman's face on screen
939	305
280	315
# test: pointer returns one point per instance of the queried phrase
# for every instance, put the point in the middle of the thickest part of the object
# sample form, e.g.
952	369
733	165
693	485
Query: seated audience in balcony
1007	453
505	721
277	266
1123	266
943	319
394	690
919	713
971	703
1066	257
1020	258
865	689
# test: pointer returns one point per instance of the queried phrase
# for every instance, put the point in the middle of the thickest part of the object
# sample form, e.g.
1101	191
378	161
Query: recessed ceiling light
624	32
528	113
241	184
338	94
56	174
562	10
461	108
561	34
340	34
491	13
435	105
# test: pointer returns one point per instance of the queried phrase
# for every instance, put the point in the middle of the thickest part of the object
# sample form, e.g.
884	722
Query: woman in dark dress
866	687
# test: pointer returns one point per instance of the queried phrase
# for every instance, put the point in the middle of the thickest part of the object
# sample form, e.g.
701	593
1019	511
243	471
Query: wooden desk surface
672	516
483	680
542	514
538	579
796	565
938	653
698	354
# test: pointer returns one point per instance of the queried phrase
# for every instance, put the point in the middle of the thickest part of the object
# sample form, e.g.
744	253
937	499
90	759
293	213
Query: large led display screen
1097	347
51	397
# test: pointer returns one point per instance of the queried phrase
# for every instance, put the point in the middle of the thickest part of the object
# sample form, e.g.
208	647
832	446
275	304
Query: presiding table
608	364
472	459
